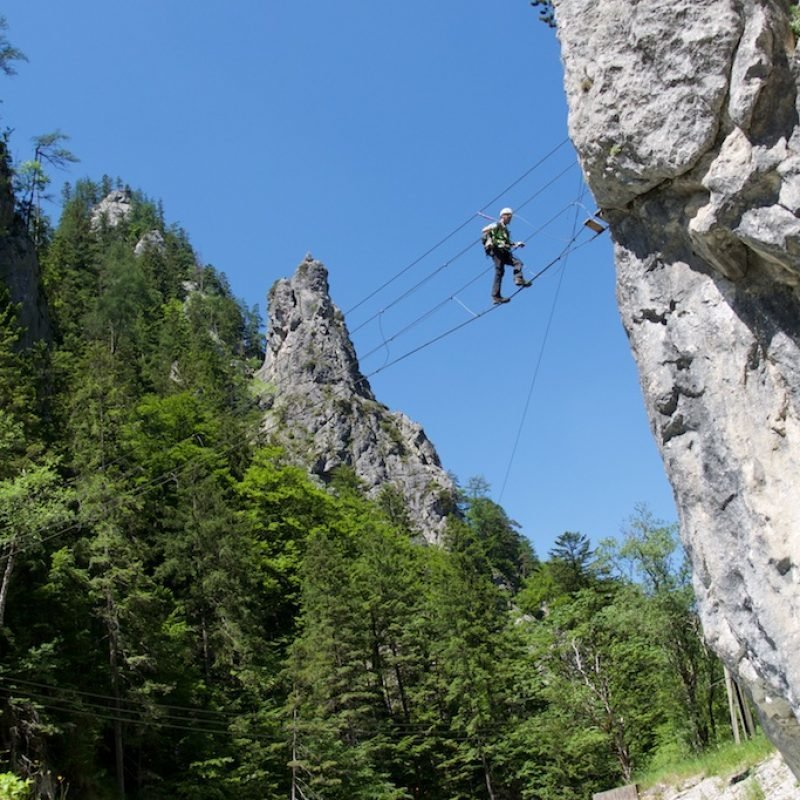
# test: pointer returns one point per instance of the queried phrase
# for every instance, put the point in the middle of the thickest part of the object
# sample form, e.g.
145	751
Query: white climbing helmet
505	211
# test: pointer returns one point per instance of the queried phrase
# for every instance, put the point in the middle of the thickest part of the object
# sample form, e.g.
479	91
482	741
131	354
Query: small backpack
486	239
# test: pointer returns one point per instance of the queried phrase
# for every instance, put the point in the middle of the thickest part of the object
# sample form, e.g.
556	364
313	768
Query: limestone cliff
685	117
322	409
19	266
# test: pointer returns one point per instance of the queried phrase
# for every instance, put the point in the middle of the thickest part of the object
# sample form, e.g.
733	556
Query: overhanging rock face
322	409
685	118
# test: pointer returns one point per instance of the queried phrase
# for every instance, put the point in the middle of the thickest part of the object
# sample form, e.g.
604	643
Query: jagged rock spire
307	341
321	408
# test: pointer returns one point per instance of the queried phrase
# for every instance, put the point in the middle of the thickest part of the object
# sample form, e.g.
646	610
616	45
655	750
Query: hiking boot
498	300
520	281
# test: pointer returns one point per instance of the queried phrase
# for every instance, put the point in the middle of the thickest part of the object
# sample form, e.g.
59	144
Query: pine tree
8	53
509	553
337	703
31	181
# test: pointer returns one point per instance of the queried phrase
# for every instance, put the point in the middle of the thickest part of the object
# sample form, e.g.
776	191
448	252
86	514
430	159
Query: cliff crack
677	426
668	403
681	363
652	315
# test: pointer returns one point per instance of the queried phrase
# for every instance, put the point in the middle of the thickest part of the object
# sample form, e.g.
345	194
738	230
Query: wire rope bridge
557	247
557	237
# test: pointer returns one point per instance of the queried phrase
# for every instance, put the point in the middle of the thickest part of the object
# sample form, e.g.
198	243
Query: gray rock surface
152	240
771	779
112	209
685	118
322	409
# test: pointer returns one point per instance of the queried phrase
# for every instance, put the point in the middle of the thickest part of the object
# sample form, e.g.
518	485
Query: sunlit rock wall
686	122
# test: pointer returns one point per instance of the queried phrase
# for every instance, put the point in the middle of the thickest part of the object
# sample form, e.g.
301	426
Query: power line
140	489
109	714
105	469
65	706
14	680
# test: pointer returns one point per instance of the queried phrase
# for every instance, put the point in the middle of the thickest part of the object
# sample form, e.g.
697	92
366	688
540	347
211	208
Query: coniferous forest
184	614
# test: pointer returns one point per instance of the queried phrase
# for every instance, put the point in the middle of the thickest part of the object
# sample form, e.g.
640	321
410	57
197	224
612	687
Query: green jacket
500	236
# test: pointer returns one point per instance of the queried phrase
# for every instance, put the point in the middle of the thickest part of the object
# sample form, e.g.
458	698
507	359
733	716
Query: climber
497	243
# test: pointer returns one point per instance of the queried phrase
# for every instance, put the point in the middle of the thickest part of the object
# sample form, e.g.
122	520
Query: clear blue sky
366	133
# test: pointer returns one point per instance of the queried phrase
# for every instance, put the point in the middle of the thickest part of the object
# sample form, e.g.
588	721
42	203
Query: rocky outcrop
113	209
322	409
151	240
19	265
771	779
685	118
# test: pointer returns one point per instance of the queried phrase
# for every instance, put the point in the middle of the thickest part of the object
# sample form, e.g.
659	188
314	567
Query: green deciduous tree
600	683
14	788
648	553
31	505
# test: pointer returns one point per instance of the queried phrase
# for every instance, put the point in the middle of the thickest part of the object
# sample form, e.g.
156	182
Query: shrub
14	788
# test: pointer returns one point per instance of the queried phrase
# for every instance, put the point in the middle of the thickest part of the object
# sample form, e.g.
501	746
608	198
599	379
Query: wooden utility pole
731	705
738	708
112	626
294	754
